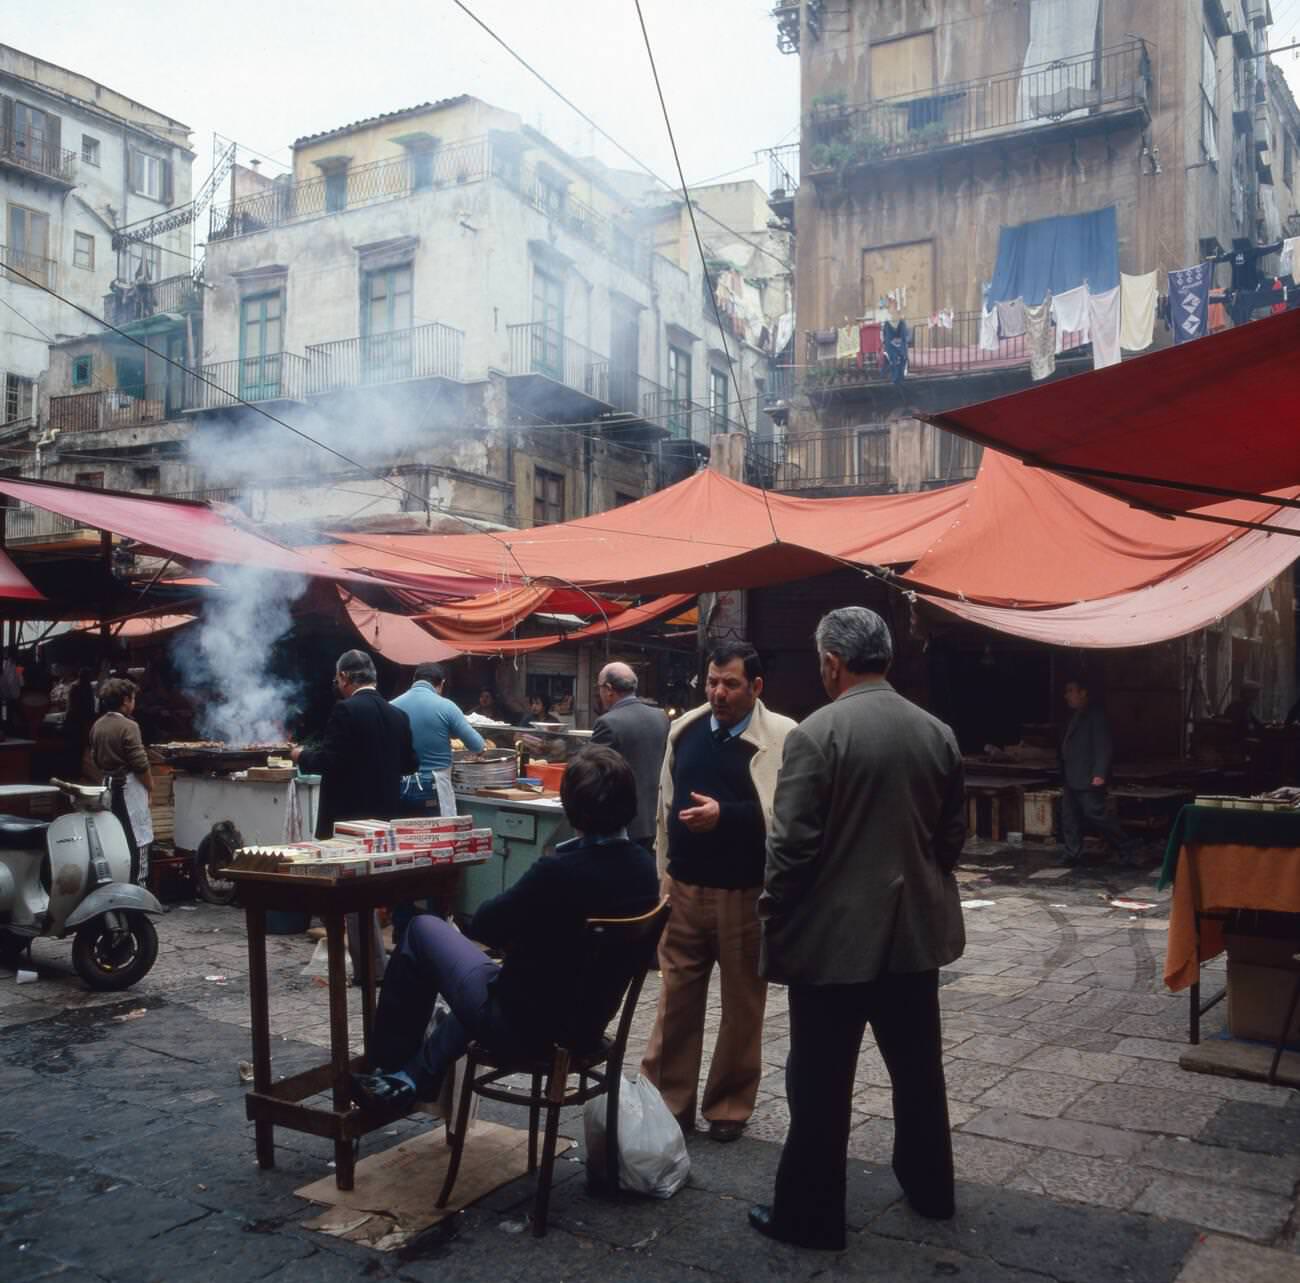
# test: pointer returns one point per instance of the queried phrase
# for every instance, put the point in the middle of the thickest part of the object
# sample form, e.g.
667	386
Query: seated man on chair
543	994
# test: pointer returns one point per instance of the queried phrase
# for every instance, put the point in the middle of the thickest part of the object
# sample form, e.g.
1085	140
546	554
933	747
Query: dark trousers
827	1023
119	809
1083	809
433	959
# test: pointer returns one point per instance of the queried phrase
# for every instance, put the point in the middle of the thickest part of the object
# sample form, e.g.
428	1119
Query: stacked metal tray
493	768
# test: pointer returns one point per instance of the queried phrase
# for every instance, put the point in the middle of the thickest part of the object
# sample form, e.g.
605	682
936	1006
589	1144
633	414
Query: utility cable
699	244
249	405
609	138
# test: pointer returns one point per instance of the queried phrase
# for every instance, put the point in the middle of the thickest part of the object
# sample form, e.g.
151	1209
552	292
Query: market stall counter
525	827
1222	861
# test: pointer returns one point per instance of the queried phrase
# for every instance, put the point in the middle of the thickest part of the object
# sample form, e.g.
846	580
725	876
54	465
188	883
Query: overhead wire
699	244
609	138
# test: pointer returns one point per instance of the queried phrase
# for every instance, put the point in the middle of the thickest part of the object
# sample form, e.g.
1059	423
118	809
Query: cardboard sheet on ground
394	1192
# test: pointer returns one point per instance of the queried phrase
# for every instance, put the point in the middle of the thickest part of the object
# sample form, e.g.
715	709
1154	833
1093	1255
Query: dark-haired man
544	992
1085	771
715	802
435	720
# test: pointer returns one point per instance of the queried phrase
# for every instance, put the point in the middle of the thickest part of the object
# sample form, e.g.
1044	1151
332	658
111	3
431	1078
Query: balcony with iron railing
108	408
541	349
936	349
279	376
475	160
32	154
25	524
431	351
173	294
27	269
857	458
1090	90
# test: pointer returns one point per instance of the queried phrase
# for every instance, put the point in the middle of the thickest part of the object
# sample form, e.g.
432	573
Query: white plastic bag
652	1157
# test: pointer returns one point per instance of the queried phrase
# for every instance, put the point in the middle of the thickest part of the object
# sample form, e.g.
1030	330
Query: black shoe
724	1130
760	1218
370	1090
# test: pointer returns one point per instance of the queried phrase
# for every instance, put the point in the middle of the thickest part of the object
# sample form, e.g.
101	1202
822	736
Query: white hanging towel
1137	302
1070	312
1103	321
136	797
1288	261
989	330
1038	339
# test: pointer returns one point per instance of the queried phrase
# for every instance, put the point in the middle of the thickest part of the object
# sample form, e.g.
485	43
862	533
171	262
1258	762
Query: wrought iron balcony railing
31	152
150	298
538	348
279	376
1090	85
856	457
425	352
27	268
472	161
108	408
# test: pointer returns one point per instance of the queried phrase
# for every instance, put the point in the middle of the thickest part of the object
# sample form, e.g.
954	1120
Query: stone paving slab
1145	1109
1247	1213
1216	1259
1098	1182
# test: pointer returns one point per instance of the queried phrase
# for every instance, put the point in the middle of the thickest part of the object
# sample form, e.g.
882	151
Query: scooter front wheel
108	957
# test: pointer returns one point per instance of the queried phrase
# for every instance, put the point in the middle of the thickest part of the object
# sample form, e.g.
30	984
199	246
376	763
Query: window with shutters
260	338
29	244
679	389
1209	99
20	396
150	176
139	261
83	250
89	149
718	400
903	67
548	497
82	371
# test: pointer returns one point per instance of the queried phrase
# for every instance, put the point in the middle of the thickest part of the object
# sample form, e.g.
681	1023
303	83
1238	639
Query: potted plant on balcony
828	108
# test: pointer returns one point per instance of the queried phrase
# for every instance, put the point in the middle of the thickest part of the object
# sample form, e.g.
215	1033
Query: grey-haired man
640	733
860	910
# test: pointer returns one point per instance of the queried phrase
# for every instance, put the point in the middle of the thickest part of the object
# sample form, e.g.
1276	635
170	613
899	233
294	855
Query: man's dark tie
722	735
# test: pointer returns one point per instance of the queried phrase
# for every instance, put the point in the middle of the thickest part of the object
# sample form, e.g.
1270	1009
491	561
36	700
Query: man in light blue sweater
435	721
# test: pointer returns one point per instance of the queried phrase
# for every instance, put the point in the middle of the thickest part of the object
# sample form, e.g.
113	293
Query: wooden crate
162	805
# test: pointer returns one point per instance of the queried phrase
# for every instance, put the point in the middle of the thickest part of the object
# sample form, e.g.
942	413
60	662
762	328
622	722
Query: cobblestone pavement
1083	1152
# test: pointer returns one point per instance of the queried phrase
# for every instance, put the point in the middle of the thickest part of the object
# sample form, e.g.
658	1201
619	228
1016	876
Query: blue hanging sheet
1057	254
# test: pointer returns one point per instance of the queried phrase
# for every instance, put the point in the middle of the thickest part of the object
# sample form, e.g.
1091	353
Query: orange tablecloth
1229	877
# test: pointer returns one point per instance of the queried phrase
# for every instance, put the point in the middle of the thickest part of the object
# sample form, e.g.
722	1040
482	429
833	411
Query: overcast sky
265	72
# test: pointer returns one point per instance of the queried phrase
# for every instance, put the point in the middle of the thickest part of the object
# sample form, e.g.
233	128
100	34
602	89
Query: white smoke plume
226	662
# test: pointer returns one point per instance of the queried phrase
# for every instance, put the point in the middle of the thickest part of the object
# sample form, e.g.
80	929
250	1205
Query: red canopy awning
14	585
177	527
1214	418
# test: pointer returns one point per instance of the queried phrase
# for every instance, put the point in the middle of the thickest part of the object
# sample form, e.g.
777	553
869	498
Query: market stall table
1005	797
280	1104
524	829
1221	860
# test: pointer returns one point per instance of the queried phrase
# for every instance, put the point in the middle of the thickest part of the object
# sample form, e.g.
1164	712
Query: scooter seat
18	834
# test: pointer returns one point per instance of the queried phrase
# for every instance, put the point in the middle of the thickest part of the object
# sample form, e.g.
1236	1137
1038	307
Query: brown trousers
709	925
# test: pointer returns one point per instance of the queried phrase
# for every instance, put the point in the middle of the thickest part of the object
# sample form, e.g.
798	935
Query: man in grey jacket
860	910
1085	769
639	733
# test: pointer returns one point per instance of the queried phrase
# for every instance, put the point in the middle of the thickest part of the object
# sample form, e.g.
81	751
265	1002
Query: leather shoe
761	1219
369	1090
725	1129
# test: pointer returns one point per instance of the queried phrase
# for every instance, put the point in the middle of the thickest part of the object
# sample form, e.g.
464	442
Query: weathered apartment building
930	128
1154	134
78	163
503	332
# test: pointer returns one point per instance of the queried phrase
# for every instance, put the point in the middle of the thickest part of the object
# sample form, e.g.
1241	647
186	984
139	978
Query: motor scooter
72	875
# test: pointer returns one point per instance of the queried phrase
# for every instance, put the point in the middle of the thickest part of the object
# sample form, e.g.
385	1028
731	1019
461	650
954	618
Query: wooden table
997	788
271	1104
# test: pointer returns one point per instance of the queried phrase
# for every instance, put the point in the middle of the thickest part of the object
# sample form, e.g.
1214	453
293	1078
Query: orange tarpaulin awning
14	585
1167	417
705	534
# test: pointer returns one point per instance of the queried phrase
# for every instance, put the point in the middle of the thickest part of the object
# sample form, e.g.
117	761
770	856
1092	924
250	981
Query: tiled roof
417	110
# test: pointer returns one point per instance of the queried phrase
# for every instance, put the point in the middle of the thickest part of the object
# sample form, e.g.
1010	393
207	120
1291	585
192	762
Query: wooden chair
624	948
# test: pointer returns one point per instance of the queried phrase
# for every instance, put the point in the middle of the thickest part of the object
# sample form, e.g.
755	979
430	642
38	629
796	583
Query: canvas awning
705	534
1176	430
14	585
176	527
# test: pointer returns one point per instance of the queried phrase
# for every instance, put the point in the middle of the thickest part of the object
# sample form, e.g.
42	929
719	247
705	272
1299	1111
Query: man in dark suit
639	733
367	750
1085	768
860	910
